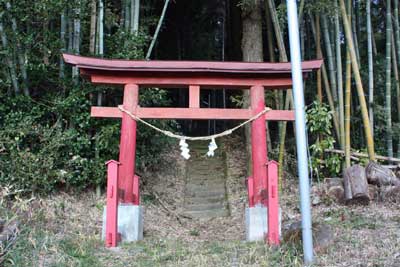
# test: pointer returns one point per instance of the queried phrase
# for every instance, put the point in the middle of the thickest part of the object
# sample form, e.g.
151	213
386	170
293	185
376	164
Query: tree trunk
359	86
356	186
388	94
252	51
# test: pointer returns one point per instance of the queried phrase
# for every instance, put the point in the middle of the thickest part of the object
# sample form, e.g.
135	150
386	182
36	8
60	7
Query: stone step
196	188
208	183
204	207
206	194
205	200
207	213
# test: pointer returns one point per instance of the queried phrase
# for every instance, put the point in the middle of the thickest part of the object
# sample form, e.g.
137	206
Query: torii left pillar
130	213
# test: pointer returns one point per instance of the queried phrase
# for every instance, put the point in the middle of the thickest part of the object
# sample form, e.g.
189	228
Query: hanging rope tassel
211	148
184	149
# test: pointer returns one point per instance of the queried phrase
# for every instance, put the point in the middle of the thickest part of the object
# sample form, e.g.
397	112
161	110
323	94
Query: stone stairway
205	187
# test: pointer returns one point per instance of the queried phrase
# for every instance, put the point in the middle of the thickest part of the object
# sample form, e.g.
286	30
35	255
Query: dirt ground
64	229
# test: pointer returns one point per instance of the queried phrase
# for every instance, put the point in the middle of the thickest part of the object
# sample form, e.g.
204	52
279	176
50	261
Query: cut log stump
380	176
356	186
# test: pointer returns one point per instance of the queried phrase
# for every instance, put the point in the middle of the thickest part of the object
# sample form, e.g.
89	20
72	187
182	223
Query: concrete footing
130	222
257	223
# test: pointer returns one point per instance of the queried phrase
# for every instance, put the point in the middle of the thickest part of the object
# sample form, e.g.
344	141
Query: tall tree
252	51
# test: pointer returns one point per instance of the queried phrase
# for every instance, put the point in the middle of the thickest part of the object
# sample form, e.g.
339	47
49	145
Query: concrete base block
257	223
130	222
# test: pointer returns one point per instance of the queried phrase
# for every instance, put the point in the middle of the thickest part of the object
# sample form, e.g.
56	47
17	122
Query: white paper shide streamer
211	148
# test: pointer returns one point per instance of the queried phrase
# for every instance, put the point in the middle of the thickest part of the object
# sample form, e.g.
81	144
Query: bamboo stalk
370	68
288	101
362	155
9	60
319	56
348	103
397	36
93	22
339	76
359	86
327	85
76	40
20	53
63	43
160	21
388	91
328	49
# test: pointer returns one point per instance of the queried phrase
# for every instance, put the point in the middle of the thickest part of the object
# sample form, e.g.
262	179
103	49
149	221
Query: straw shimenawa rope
182	137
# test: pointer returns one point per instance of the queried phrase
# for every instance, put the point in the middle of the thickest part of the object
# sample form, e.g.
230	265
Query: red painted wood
136	193
273	203
215	82
154	66
258	144
127	148
250	191
111	236
194	96
192	113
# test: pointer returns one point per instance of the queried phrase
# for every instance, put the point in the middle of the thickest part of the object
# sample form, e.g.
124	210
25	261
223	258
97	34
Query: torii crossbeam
262	185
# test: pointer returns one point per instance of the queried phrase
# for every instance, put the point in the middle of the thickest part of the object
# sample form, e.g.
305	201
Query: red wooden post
127	147
194	96
250	191
273	203
258	145
111	237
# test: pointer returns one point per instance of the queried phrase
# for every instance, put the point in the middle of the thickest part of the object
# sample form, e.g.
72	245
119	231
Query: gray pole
301	138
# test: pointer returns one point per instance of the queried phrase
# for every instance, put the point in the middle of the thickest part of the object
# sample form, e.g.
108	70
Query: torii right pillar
262	215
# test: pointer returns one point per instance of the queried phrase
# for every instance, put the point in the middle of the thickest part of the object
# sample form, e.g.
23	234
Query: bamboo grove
358	84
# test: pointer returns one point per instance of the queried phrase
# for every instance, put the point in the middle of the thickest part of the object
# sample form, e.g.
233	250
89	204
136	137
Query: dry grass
64	229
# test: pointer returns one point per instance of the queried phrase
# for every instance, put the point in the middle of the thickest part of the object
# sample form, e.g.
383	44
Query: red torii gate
123	184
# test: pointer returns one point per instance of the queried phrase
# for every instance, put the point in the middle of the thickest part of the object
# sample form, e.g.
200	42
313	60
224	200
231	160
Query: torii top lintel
184	73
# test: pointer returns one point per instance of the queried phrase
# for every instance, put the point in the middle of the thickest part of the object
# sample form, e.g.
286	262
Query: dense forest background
48	141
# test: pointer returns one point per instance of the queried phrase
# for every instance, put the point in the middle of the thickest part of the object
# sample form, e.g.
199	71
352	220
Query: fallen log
362	155
356	186
380	176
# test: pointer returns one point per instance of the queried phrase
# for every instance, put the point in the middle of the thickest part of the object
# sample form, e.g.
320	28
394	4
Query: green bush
52	143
